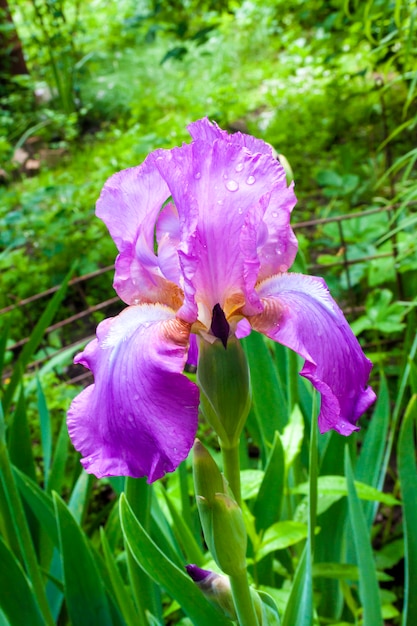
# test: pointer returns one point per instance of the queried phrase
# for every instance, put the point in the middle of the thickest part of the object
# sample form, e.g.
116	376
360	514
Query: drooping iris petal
300	313
221	192
139	418
129	205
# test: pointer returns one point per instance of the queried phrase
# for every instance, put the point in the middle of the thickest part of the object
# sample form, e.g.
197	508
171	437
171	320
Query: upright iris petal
204	244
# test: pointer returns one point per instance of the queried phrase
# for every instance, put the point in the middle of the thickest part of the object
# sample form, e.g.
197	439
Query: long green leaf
407	470
368	467
20	441
368	583
46	431
21	532
84	589
267	506
124	600
184	535
17	599
299	609
34	341
268	399
39	502
165	573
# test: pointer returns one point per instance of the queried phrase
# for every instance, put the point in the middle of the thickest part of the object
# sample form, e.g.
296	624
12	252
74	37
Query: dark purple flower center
219	325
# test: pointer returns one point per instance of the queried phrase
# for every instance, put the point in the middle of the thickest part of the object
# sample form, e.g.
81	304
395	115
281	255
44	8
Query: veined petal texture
222	191
130	204
301	314
139	418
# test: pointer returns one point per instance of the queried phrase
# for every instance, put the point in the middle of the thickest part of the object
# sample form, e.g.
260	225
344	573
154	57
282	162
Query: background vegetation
88	88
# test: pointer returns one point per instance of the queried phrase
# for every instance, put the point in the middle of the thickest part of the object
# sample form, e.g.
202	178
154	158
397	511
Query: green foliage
333	87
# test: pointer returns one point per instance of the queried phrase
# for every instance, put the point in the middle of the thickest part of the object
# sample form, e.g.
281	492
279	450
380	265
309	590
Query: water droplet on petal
274	214
197	175
240	210
250	180
239	167
232	185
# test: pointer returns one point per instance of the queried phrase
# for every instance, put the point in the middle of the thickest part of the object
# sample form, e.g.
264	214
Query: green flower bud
223	378
229	535
221	517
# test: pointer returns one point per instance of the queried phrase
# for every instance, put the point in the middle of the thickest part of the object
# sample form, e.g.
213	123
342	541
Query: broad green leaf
270	613
281	535
336	486
17	599
368	584
251	480
165	572
267	505
407	469
292	437
342	571
390	554
84	589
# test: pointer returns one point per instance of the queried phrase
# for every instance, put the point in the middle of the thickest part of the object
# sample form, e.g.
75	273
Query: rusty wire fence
79	328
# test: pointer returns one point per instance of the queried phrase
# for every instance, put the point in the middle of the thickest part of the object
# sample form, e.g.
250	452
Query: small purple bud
196	573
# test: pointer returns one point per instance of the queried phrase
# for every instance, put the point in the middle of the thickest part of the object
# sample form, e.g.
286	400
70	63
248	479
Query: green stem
239	583
243	600
231	468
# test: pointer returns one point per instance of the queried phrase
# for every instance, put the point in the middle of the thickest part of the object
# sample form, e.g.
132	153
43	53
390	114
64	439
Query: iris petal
210	131
300	313
221	192
139	418
129	205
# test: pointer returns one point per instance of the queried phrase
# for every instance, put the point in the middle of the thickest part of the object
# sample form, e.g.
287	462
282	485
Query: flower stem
239	583
243	600
231	468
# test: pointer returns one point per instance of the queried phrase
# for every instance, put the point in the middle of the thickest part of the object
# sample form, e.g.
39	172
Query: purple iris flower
217	212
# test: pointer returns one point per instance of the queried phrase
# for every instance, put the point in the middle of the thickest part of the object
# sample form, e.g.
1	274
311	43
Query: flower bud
221	517
229	535
216	589
223	378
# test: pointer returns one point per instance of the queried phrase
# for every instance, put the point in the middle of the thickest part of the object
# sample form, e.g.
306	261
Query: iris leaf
177	583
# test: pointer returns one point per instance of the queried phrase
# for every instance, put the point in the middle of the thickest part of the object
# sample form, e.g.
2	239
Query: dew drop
239	167
250	180
232	185
274	214
197	175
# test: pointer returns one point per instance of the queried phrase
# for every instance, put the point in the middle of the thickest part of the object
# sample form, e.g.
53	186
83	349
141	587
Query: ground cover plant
329	521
